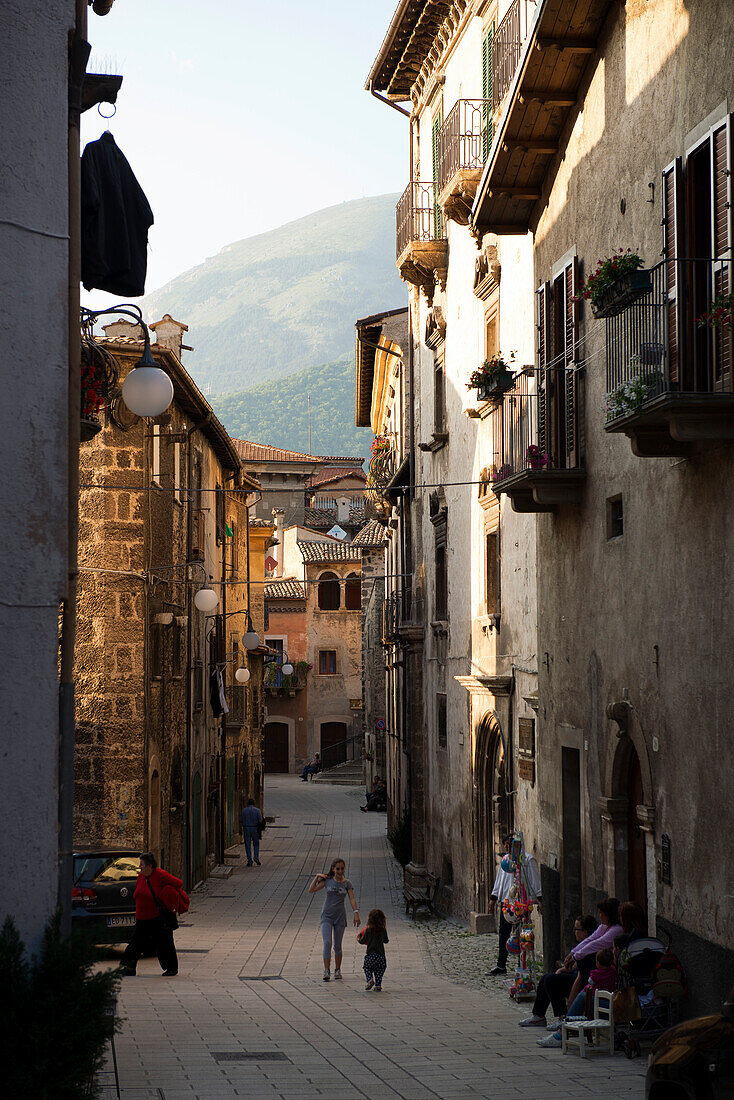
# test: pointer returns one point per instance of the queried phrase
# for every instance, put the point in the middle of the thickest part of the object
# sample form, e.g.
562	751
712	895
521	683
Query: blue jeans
578	1004
252	841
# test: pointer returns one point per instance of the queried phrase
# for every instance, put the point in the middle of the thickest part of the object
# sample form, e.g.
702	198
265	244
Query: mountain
276	412
275	304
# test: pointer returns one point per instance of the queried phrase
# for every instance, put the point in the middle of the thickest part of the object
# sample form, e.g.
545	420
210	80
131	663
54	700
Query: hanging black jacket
116	217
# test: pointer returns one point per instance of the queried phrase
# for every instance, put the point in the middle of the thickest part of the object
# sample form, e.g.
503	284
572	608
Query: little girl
374	937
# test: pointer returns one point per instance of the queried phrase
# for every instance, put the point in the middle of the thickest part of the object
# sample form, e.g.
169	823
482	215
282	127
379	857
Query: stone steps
350	774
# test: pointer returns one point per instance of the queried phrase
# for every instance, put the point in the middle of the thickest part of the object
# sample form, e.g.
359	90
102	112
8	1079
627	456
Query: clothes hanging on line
116	217
217	696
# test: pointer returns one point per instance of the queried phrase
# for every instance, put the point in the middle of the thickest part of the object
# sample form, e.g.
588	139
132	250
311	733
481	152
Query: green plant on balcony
616	283
634	392
720	314
493	378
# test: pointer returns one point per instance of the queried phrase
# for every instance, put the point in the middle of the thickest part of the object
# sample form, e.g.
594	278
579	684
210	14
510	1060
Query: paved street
250	1016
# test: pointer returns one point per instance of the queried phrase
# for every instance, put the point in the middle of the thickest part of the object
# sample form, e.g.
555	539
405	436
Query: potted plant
535	458
632	394
493	378
502	473
616	283
720	314
92	399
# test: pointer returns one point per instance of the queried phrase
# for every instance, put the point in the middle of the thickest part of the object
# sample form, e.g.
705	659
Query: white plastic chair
595	1035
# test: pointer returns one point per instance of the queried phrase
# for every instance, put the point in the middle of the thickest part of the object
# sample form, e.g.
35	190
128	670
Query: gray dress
334	910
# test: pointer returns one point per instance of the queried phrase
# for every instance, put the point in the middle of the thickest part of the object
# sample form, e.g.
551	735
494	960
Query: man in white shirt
503	884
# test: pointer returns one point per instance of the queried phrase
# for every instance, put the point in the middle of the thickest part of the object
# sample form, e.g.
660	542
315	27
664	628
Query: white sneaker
533	1021
555	1026
337	975
549	1041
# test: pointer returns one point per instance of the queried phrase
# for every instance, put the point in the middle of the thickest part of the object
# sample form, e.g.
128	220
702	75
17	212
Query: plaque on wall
355	704
526	769
526	736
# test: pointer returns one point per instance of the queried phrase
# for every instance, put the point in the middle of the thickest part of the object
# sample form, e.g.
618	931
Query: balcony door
558	352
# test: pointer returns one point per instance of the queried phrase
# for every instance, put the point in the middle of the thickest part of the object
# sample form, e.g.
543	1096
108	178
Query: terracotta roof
328	473
261	523
372	534
410	36
320	517
285	589
263	452
333	550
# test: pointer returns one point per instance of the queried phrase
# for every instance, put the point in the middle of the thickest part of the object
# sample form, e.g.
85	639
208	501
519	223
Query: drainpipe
79	50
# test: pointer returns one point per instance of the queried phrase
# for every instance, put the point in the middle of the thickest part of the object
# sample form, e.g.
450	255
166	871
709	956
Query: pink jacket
603	936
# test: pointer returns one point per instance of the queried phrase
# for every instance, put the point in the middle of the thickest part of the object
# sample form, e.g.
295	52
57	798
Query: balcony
669	379
506	48
463	144
276	682
421	245
534	430
237	709
391	618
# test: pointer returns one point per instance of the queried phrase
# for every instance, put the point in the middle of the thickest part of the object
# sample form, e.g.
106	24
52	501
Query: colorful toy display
518	909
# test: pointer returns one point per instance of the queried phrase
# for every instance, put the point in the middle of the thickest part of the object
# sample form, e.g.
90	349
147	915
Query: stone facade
154	768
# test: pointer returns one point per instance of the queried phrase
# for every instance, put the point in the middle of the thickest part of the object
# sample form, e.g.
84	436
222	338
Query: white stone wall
33	430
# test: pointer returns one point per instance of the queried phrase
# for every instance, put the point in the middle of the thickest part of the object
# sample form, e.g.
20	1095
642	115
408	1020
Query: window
441	609
156	455
437	214
156	651
177	472
219	513
441	719
353	593
327	662
491	333
487	91
329	592
439	395
198	685
615	517
492	572
558	353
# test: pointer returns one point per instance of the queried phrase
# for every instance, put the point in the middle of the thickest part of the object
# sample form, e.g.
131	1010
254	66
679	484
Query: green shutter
487	90
437	219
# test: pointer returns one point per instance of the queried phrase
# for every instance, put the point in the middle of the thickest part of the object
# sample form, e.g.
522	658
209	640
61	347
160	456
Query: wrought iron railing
461	140
236	705
657	345
391	617
417	216
274	679
507	47
343	752
532	427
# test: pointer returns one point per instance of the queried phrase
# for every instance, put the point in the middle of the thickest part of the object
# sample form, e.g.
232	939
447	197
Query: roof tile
333	550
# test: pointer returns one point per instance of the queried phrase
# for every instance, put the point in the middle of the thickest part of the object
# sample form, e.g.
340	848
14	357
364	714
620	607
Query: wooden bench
415	899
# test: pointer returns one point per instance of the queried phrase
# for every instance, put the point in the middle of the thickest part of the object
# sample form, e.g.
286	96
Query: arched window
329	592
353	593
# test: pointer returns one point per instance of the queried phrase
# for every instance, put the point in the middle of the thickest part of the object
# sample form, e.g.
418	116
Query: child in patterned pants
374	938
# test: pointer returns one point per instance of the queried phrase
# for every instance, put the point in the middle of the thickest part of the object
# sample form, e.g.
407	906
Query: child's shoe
369	985
337	974
378	989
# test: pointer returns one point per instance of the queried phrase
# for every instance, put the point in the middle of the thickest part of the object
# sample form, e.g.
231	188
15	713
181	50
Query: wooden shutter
672	230
570	360
487	91
721	206
544	390
438	220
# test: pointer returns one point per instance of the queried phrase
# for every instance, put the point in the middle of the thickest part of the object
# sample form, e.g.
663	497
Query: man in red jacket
157	899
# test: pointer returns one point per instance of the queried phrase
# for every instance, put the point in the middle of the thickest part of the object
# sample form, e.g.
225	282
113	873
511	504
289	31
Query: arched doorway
493	807
276	747
333	743
629	791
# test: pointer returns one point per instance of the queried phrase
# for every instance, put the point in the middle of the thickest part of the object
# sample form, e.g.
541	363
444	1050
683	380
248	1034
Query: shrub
55	1016
401	840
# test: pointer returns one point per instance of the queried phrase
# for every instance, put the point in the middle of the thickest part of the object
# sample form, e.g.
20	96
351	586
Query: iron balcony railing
236	714
507	46
391	618
533	427
274	679
418	216
462	140
664	343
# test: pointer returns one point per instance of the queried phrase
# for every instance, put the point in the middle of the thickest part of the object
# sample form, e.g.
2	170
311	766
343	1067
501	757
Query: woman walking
333	913
374	938
158	897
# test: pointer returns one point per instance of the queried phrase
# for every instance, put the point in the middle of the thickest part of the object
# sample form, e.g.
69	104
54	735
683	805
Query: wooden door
333	743
276	747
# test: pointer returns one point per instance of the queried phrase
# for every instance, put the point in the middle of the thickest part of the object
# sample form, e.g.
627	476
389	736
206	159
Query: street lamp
287	669
206	600
242	675
147	389
251	638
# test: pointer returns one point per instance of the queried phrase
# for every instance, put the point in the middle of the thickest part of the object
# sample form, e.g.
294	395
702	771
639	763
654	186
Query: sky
237	116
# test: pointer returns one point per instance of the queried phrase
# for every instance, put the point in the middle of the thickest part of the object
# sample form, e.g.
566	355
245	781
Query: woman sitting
553	989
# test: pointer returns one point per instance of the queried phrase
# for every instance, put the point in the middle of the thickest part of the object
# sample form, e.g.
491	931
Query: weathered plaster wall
648	614
33	429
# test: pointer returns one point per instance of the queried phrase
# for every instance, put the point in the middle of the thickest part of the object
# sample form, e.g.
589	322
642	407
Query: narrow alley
249	1014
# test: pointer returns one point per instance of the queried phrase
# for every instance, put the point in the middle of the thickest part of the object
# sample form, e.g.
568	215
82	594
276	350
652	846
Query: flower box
623	292
502	381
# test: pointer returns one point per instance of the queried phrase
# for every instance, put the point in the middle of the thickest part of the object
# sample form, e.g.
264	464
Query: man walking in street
503	884
251	823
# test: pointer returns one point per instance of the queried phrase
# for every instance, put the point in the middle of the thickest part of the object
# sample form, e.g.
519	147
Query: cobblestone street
249	1015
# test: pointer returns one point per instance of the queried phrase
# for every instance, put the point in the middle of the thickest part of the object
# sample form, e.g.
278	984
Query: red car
102	900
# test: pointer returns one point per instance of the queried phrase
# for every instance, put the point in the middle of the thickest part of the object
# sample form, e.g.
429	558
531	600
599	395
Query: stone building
635	603
460	617
286	728
372	541
164	513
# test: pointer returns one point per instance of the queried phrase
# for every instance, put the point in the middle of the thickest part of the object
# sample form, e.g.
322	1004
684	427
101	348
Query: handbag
626	1005
169	920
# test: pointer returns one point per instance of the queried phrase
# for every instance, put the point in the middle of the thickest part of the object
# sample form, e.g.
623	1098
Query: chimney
343	507
123	328
169	334
278	514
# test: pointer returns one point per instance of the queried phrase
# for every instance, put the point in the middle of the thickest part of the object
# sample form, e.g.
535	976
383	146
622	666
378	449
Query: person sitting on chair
377	798
311	768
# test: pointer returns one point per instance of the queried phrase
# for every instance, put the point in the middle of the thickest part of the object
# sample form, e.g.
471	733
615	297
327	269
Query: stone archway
493	811
628	810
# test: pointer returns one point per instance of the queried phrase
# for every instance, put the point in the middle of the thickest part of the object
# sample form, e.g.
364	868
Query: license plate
120	922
